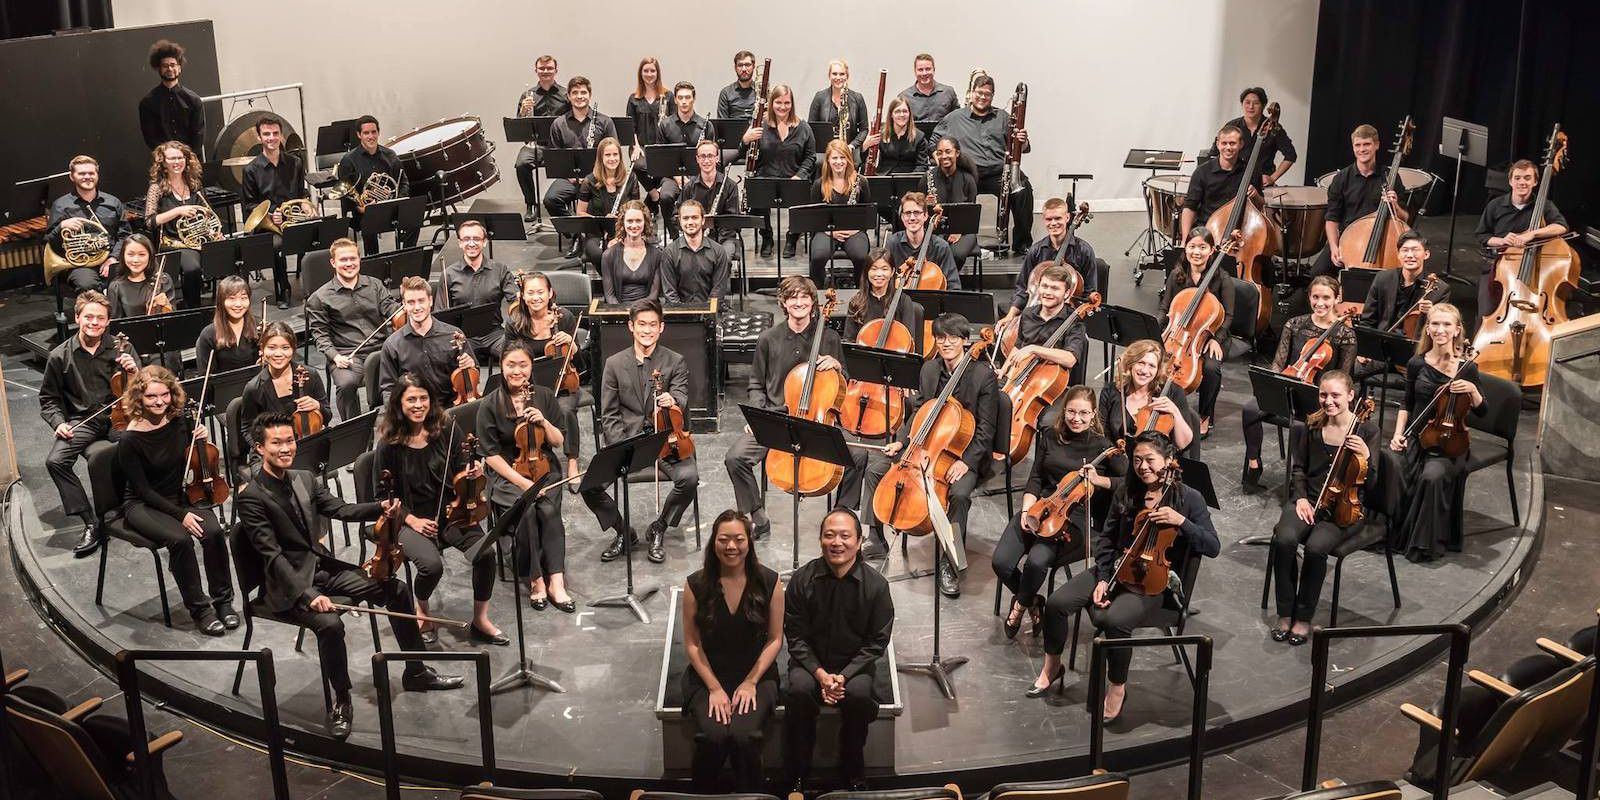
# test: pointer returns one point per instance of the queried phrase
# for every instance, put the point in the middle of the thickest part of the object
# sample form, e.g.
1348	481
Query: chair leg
697	543
1072	646
997	587
161	587
1511	489
1011	502
1394	583
300	639
372	621
249	631
100	583
1266	580
1338	573
1182	656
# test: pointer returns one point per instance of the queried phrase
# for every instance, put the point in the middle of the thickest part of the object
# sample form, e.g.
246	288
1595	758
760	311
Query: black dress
1432	520
245	352
732	644
150	465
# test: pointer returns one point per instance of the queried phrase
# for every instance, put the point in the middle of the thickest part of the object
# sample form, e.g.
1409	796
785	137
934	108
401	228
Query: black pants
739	740
328	626
1251	418
349	386
280	269
528	158
740	462
77	280
802	702
1117	621
1020	203
542	538
1297	599
685	477
62	462
427	555
1022	561
559	197
188	276
963	248
571	442
1210	387
161	528
823	247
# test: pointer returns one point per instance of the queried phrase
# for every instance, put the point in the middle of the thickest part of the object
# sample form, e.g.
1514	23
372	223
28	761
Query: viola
305	422
464	380
1247	214
532	462
874	409
470	507
1410	322
816	395
1144	567
1316	354
680	445
1373	241
1034	385
568	382
388	555
1535	280
203	480
1340	497
1148	419
119	385
1054	511
1194	318
1444	423
940	433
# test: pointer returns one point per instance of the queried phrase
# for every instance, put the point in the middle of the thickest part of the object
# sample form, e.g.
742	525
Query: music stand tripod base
937	668
523	674
614	463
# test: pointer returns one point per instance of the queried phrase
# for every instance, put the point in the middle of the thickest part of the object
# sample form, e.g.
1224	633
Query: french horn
89	246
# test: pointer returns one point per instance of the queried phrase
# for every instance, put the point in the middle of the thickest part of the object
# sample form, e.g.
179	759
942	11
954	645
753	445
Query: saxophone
844	113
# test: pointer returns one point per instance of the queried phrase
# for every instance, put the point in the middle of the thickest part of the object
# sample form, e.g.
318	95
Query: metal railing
1591	739
380	678
1201	685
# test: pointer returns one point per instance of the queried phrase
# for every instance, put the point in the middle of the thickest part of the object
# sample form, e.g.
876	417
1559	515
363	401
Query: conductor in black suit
281	512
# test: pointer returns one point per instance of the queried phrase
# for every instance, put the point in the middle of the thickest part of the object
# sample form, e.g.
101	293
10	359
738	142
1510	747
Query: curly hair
1131	356
393	426
158	174
164	49
622	215
133	398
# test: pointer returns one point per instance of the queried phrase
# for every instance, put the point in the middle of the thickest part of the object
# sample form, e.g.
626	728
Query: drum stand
1148	242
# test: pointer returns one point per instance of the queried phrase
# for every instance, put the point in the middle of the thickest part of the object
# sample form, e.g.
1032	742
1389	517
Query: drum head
1297	197
1326	179
1169	184
1413	179
439	134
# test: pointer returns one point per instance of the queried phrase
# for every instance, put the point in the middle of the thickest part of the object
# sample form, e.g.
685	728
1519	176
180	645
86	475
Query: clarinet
933	193
844	113
716	199
855	190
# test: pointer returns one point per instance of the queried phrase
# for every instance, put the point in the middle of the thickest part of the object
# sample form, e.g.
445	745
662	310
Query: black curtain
1515	66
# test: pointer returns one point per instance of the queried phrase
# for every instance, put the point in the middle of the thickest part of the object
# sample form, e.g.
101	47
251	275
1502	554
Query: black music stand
159	334
776	430
225	386
401	215
888	189
890	368
612	464
625	132
962	218
568	162
474	321
738	223
729	132
397	265
580	226
1282	397
1197	475
338	136
318	234
1116	326
504	226
670	161
1392	349
236	256
977	307
1464	142
827	218
776	194
1356	282
527	130
523	674
937	668
822	133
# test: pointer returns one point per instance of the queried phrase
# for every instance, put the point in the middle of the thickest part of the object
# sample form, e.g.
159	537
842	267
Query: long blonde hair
599	171
836	146
1131	356
1425	342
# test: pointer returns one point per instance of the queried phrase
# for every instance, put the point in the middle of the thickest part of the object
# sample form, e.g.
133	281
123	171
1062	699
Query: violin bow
205	385
449	447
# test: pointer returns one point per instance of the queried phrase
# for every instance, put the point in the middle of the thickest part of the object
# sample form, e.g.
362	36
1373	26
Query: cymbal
237	161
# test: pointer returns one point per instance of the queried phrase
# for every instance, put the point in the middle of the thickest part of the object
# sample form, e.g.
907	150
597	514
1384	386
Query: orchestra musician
737	100
542	538
1396	292
779	350
1252	102
787	150
955	180
929	100
359	165
1056	248
1354	193
1114	610
1312	445
136	290
273	390
1507	221
281	515
1432	520
695	268
535	319
732	632
73	397
902	147
838	619
276	177
715	193
233	331
170	112
474	280
978	394
420	445
545	98
628	403
648	105
631	268
827	103
69	211
152	463
838	184
600	194
982	131
344	313
581	127
1136	385
1040	321
424	347
1324	294
175	192
1197	249
1022	560
1215	182
907	242
681	127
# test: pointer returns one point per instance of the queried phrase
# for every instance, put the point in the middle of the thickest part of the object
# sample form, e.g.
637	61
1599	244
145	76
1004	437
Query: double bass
1143	567
680	445
1316	354
1535	280
1373	240
1194	318
816	395
875	409
940	433
1247	215
1034	384
1054	510
1340	496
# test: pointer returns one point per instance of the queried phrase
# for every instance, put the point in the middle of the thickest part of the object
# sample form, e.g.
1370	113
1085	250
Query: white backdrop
1103	77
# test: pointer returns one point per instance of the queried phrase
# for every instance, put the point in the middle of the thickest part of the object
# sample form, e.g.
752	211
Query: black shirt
1301	330
568	132
245	352
1079	255
903	155
978	393
152	463
430	356
863	193
1500	217
1388	297
167	201
1311	457
77	383
496	427
1352	195
735	101
692	275
732	642
1423	379
104	207
131	298
900	249
1198	535
600	201
646	116
1279	145
264	181
908	313
461	285
551	102
823	110
795	156
933	106
260	396
172	115
420	472
960	187
357	165
982	137
1210	187
841	625
1033	328
676	131
1118	424
1054	460
519	328
779	350
621	284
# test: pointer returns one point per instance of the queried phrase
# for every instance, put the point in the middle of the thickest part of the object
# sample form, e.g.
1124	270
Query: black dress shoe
568	607
764	248
88	542
789	242
229	617
538	603
1038	691
655	544
207	623
429	681
614	550
1013	621
1250	479
949	581
339	719
479	635
762	531
1297	639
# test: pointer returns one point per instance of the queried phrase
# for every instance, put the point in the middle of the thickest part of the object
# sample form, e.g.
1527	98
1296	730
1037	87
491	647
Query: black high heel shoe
1014	619
1250	479
1041	691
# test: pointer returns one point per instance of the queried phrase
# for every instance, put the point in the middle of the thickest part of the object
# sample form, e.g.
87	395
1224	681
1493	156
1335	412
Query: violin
470	507
119	385
1149	419
532	461
873	409
1340	497
1144	567
388	556
568	382
680	445
1444	424
1535	280
464	380
1411	321
203	480
1316	354
1247	215
940	433
1034	385
1194	318
1373	241
305	422
158	302
1054	511
816	395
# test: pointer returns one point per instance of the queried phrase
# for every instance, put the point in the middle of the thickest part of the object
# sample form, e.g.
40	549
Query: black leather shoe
429	681
762	531
1250	479
339	719
789	243
207	623
764	249
1013	621
949	581
88	542
229	617
876	546
614	550
1037	691
568	607
655	542
538	603
478	635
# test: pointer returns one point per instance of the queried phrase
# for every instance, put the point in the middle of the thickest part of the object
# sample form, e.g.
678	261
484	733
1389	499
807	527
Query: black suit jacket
289	557
1378	311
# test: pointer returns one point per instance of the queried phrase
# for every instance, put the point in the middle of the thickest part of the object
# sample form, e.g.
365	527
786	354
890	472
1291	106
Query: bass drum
455	147
1163	195
1301	211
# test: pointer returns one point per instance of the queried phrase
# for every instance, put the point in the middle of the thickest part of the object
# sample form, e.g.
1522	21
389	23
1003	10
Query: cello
875	409
1054	511
1246	214
927	276
1535	280
1373	240
940	433
305	422
1144	568
1340	497
1316	355
1034	384
464	380
680	445
1194	318
203	481
1008	333
816	395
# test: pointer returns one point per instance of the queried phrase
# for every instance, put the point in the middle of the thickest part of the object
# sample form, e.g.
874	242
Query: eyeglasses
465	239
705	156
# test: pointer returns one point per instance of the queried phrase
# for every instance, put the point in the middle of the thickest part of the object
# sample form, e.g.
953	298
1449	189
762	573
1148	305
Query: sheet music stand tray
776	430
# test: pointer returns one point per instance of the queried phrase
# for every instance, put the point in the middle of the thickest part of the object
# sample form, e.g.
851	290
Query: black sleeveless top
732	643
